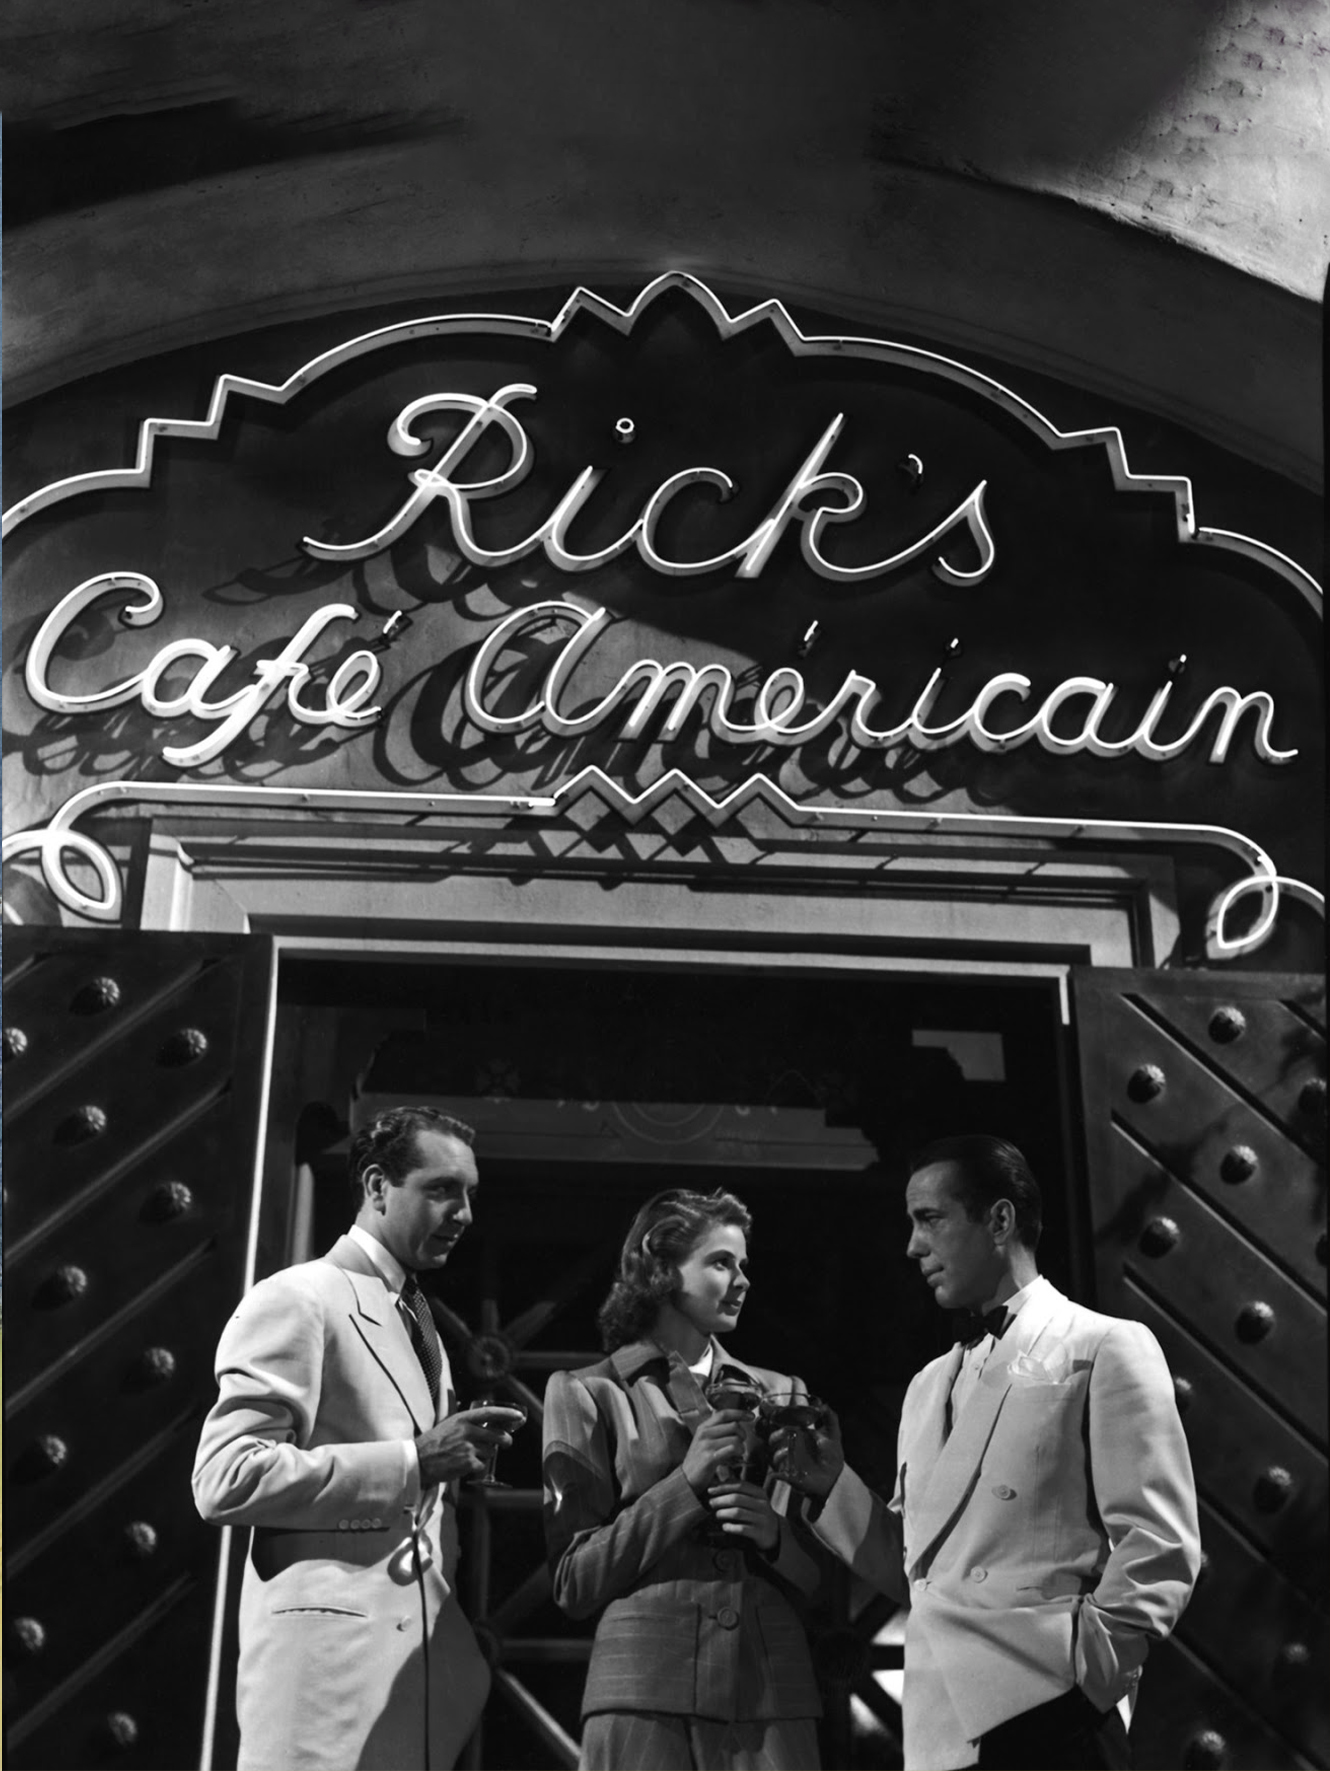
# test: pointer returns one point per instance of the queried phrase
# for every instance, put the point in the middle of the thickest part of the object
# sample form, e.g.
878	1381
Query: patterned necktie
423	1336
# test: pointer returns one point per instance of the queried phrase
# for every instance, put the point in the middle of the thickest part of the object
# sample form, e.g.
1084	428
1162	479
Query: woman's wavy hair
663	1235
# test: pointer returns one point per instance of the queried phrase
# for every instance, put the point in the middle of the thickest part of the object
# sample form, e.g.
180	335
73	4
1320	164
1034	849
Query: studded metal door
1204	1099
132	1082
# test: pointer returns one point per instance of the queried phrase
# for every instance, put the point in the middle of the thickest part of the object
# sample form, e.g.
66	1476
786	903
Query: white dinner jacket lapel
952	1476
927	1432
378	1322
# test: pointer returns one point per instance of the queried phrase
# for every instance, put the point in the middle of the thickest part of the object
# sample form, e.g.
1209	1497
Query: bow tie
974	1326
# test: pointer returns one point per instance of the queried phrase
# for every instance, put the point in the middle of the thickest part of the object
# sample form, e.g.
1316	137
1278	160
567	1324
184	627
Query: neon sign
779	710
800	344
353	683
672	699
782	697
748	557
59	839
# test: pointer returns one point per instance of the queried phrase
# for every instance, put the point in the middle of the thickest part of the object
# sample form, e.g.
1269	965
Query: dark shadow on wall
993	91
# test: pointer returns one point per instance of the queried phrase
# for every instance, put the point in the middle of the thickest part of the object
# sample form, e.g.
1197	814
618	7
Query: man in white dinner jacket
1043	1528
335	1437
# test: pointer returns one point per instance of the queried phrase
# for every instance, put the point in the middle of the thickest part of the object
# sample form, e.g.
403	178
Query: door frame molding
364	889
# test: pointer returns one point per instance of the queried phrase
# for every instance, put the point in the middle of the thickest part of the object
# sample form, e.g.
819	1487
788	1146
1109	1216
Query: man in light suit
1043	1528
334	1437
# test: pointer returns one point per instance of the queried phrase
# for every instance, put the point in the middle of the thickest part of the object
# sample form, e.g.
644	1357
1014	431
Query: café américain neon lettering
778	711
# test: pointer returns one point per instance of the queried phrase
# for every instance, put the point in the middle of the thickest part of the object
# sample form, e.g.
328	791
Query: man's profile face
957	1256
421	1217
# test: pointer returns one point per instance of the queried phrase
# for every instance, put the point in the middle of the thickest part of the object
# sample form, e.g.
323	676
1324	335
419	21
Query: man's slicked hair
989	1169
389	1140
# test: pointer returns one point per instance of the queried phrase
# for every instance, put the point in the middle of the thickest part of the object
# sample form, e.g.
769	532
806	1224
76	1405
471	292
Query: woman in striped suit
700	1659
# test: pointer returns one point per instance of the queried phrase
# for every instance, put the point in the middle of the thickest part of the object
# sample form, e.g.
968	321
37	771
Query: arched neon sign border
59	839
771	312
51	843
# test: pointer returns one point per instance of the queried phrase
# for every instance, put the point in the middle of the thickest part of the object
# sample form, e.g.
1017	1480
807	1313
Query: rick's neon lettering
803	501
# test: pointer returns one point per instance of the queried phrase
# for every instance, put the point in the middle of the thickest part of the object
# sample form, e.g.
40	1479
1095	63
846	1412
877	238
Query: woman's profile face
713	1280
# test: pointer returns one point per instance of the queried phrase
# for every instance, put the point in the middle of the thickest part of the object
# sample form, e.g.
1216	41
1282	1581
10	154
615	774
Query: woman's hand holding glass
738	1393
718	1447
739	1506
743	1510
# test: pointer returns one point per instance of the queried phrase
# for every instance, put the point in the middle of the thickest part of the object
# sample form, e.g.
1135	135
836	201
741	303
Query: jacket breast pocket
1032	1407
1036	1420
316	1611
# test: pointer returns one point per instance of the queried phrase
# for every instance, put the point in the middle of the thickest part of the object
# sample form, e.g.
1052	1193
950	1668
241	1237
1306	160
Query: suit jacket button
1003	1492
343	1524
725	1562
727	1617
979	1574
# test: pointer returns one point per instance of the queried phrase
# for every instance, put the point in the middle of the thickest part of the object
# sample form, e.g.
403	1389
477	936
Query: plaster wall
1128	197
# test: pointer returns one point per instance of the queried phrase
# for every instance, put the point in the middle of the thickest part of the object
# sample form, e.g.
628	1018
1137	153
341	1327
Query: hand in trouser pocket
1067	1734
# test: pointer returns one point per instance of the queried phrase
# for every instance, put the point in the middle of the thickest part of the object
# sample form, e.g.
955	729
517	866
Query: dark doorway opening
591	1089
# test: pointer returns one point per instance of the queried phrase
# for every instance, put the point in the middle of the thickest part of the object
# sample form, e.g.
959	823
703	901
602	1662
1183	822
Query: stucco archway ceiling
1130	197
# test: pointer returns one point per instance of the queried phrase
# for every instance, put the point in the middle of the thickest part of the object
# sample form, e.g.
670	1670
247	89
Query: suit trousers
642	1740
1068	1734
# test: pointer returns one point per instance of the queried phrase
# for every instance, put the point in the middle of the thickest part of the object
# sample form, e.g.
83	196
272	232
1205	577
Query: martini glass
793	1419
741	1394
487	1478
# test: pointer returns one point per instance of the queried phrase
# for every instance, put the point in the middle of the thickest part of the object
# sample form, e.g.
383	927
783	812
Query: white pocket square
1028	1372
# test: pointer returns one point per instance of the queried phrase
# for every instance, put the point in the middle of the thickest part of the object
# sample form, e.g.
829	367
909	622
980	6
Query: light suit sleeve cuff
812	1506
411	1489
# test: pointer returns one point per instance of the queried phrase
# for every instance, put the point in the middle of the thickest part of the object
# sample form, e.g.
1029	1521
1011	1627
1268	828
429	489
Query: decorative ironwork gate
134	1067
1204	1100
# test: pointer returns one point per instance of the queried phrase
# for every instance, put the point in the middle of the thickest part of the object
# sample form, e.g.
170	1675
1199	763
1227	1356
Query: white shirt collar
977	1352
706	1364
391	1270
1018	1299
